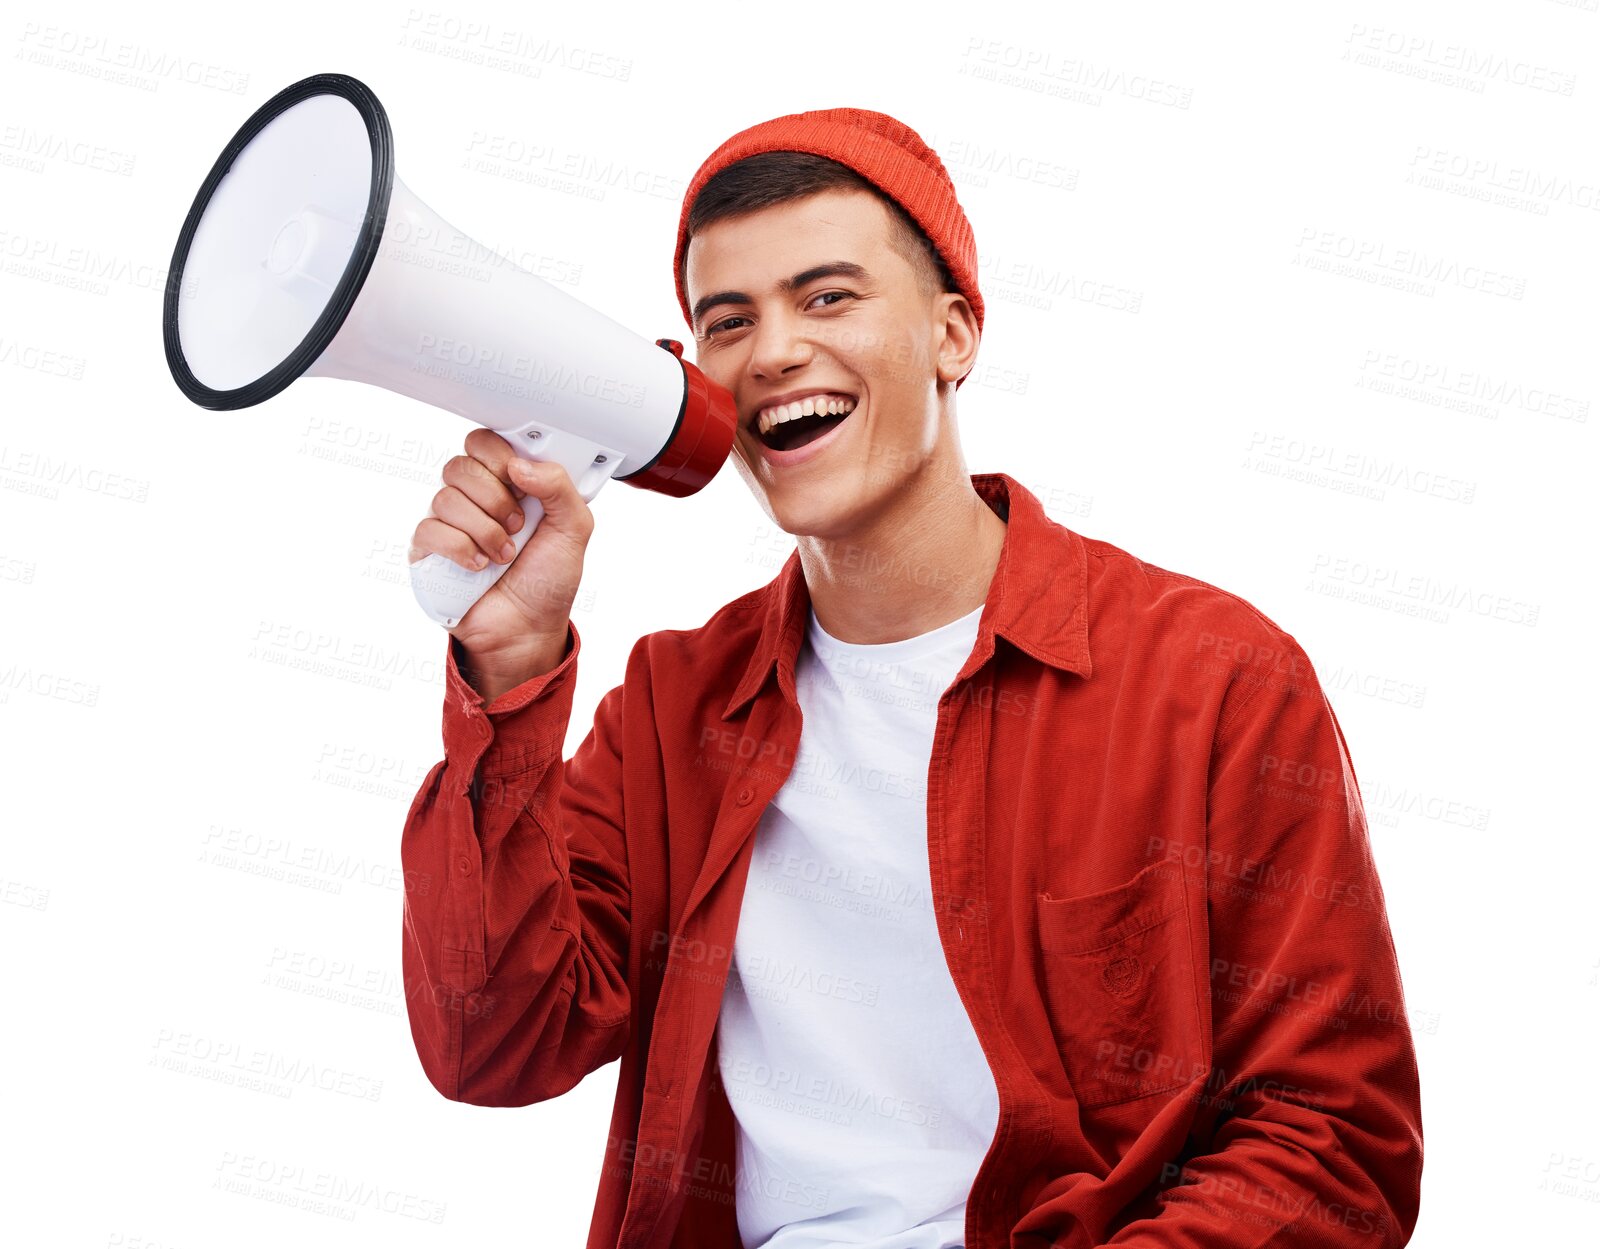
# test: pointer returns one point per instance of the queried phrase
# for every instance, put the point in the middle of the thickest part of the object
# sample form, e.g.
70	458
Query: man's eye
712	329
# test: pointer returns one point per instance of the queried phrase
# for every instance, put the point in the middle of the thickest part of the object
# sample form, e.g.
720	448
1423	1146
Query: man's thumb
546	481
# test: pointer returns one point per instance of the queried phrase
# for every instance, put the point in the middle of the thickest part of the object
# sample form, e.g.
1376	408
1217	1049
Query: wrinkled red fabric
1152	880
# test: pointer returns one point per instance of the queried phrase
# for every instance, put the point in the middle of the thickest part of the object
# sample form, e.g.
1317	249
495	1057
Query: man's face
872	336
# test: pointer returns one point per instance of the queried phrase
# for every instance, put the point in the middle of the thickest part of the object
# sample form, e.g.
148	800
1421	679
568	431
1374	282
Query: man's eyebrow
832	269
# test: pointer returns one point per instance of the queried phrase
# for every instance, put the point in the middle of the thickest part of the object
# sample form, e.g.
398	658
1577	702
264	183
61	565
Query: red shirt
1151	877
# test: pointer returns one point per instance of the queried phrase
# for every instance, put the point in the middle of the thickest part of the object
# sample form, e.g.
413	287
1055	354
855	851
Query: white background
1298	300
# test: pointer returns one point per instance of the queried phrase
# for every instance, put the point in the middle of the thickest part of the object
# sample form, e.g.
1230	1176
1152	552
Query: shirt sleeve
1317	1141
516	913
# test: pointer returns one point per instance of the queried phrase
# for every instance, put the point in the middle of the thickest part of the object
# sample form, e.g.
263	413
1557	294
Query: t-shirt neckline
894	652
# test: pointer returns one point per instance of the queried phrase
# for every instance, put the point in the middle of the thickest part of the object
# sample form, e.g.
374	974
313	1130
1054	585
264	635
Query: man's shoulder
1161	606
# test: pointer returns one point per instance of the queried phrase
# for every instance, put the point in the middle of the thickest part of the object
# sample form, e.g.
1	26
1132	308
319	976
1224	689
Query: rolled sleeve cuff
523	728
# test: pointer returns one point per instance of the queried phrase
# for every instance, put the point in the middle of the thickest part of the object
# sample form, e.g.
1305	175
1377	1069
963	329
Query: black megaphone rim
356	269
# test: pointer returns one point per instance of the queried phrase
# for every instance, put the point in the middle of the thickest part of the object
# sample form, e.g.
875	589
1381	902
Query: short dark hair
769	178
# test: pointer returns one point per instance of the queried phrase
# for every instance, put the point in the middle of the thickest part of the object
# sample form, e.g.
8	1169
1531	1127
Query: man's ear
958	349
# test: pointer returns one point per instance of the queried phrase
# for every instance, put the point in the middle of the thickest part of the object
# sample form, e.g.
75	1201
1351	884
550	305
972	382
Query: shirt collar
1037	600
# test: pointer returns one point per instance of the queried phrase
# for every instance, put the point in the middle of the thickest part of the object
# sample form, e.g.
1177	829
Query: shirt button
744	796
464	864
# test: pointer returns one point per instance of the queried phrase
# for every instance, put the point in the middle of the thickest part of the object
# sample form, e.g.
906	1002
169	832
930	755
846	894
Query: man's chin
829	515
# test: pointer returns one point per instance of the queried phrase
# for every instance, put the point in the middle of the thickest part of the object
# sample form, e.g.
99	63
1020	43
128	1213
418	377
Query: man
972	883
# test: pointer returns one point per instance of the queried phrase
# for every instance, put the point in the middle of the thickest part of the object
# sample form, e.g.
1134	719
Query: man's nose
780	344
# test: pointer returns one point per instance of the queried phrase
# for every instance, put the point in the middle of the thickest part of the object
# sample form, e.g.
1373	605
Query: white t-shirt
863	1101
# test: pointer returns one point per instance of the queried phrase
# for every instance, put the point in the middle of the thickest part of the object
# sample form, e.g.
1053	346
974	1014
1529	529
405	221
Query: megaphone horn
305	255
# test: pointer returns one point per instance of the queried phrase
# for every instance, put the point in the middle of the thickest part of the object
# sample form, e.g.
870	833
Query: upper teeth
828	405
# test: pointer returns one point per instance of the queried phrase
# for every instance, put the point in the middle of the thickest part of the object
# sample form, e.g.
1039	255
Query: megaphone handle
445	590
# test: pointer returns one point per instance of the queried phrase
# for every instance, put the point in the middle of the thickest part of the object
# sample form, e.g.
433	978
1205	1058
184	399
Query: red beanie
887	153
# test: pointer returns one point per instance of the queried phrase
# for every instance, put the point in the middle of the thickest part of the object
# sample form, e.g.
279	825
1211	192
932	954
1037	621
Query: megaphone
305	255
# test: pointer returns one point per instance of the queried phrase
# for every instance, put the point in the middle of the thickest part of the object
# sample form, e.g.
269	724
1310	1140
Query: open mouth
800	427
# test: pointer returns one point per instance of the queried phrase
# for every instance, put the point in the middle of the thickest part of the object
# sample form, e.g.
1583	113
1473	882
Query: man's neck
920	567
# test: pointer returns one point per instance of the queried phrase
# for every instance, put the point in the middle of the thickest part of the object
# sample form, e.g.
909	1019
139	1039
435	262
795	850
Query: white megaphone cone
304	255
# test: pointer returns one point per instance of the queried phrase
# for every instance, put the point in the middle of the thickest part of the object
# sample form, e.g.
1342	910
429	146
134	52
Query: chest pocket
1119	987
